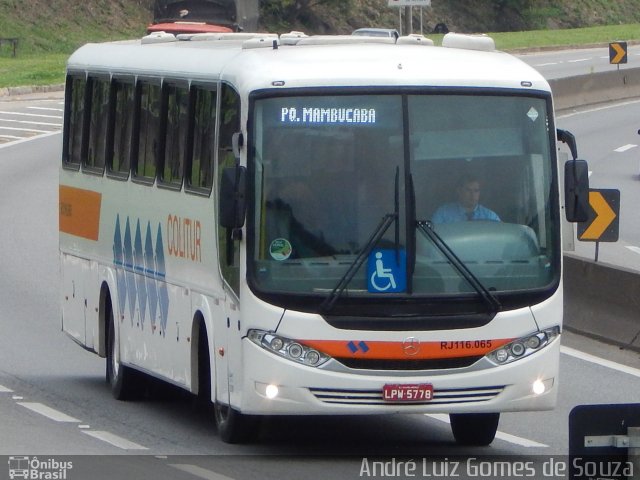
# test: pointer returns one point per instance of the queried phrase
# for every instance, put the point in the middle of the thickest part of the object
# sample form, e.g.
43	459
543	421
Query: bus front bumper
275	386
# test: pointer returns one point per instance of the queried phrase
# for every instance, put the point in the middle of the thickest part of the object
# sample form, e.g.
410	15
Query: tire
203	400
126	384
233	426
474	429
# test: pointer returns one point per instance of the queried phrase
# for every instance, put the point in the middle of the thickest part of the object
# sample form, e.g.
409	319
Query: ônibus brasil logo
36	469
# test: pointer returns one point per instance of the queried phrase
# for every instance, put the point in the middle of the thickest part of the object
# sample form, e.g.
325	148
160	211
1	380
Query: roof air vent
343	39
292	38
158	37
469	42
415	39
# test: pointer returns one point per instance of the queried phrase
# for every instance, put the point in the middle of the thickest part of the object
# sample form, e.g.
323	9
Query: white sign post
410	4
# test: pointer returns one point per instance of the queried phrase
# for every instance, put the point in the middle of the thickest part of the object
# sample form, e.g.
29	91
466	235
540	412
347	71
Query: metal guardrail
601	300
594	88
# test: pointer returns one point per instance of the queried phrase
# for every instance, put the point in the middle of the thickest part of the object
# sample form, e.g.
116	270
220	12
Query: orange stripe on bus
405	350
80	212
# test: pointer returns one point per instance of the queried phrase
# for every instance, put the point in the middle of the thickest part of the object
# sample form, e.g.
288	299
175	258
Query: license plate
407	393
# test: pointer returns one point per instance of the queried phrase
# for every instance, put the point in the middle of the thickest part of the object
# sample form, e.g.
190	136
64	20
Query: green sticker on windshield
280	249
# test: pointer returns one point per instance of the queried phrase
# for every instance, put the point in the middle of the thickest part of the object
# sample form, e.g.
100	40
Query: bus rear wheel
125	383
474	429
233	426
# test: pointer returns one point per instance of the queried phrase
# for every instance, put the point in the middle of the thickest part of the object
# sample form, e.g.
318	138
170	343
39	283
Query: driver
468	207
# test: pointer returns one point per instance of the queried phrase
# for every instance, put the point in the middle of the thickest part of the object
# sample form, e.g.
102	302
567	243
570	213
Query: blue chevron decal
140	273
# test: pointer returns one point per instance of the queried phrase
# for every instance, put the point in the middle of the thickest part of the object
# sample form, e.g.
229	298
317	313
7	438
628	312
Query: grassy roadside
33	69
566	38
48	68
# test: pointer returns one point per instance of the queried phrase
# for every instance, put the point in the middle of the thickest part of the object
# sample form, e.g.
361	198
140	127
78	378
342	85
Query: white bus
255	219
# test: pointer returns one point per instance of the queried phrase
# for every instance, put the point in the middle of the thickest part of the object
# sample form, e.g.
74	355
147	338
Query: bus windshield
328	170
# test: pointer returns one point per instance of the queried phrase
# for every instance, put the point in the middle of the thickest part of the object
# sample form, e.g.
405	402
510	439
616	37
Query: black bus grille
374	397
429	364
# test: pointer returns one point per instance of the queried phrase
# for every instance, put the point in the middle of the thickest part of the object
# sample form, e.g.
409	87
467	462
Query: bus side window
148	123
229	124
202	148
175	134
119	160
75	94
100	89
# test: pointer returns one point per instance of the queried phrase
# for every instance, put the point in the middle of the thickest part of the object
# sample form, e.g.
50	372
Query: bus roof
359	62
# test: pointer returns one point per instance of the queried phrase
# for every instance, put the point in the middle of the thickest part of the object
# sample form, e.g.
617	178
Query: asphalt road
608	139
29	116
54	403
580	61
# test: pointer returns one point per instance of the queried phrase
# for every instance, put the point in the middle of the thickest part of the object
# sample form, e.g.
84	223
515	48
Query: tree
293	12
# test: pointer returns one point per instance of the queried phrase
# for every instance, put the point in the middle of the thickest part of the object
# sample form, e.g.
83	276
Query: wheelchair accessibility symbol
387	272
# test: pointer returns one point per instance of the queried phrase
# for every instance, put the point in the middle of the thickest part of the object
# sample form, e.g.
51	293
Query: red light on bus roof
184	27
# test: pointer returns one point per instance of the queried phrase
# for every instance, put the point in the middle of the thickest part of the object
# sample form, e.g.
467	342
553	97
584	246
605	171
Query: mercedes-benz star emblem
411	346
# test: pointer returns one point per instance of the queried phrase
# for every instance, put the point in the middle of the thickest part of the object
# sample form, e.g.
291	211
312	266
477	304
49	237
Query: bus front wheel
233	426
474	429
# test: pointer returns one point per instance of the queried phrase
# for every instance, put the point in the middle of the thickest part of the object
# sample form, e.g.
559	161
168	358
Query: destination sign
319	115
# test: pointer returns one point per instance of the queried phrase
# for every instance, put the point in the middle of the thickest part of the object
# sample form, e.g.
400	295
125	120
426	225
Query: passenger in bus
467	207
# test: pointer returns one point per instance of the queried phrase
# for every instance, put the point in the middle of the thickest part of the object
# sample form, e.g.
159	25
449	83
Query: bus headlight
287	348
523	347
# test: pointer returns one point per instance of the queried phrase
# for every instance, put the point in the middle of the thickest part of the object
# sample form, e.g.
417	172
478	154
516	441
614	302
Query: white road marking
523	442
597	109
11	137
624	148
634	249
84	427
29	122
578	60
49	412
47	109
22	114
4	389
587	357
114	440
13	129
546	64
24	140
199	472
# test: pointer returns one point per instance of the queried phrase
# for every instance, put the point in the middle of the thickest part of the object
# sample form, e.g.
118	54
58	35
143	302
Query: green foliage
49	30
289	13
43	69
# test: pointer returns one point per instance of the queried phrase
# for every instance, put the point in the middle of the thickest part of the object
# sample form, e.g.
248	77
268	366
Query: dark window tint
76	89
124	107
176	134
204	123
149	131
98	120
229	124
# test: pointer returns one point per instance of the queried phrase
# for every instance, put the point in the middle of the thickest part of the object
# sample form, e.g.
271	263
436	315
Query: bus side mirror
233	198
576	190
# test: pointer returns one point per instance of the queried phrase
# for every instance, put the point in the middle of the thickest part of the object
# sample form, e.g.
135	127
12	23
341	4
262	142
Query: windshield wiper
492	302
378	233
